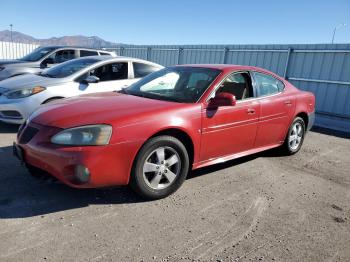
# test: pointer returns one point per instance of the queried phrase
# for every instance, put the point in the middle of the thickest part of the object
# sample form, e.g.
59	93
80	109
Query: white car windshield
179	84
37	54
68	68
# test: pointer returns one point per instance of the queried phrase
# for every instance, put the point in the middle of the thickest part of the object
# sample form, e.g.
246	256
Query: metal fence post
179	55
285	75
225	53
148	55
121	51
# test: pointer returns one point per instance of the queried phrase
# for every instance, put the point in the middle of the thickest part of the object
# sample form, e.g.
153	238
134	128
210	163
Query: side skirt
223	159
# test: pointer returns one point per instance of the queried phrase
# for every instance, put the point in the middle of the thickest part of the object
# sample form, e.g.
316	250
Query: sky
182	21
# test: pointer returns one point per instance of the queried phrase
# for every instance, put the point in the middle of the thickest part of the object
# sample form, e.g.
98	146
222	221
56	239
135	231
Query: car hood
28	80
100	108
15	63
6	62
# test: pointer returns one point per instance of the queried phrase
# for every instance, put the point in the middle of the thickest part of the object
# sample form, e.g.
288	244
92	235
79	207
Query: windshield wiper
122	91
161	97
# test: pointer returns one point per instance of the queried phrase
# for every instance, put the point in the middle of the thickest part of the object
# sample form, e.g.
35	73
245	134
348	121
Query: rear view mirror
222	99
90	80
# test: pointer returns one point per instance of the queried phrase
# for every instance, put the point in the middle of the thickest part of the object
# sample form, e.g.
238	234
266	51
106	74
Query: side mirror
222	99
90	80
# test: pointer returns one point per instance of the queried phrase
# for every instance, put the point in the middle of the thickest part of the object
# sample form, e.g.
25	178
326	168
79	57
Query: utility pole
11	25
335	30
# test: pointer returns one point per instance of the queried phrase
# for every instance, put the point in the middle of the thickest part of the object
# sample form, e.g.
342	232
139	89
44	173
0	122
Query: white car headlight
24	92
92	135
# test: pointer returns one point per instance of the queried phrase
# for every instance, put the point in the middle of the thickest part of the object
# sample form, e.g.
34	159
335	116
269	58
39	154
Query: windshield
179	84
37	54
68	68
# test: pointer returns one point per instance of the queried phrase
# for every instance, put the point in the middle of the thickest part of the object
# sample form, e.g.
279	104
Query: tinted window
87	53
238	84
109	72
102	53
180	84
60	57
267	85
141	70
68	68
37	54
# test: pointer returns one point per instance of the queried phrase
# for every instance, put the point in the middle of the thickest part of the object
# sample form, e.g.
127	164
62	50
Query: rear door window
267	84
141	70
103	53
87	53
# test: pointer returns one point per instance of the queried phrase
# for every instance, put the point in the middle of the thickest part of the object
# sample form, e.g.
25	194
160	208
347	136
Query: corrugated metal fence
9	50
323	69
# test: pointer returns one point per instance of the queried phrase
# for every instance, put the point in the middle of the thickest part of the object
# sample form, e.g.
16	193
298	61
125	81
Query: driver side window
111	72
60	57
237	84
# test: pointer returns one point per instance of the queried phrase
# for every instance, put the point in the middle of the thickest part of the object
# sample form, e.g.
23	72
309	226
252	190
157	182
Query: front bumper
4	74
23	108
108	165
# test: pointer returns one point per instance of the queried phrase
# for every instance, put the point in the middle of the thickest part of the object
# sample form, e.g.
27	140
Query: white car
22	95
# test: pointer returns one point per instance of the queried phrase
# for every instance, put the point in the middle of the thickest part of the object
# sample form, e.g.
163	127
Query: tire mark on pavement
237	231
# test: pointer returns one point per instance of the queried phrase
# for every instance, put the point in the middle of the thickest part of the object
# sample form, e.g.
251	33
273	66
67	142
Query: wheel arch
52	98
178	133
301	114
182	136
305	117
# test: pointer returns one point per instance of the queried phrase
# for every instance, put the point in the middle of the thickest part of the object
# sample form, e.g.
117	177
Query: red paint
218	134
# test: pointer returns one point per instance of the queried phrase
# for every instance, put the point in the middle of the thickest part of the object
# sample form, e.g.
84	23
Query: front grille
11	114
27	134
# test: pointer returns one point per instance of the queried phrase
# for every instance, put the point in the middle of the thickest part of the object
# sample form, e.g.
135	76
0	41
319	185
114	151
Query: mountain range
75	40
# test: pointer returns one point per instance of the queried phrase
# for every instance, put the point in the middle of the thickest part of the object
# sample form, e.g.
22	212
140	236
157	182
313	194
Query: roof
115	58
231	67
225	67
216	66
78	47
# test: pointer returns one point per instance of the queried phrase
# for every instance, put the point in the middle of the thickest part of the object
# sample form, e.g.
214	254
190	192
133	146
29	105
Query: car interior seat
238	85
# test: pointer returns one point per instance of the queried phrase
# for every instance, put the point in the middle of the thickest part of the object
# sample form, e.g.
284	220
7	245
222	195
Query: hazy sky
182	21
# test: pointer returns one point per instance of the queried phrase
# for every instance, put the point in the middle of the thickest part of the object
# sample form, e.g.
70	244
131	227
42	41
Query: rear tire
160	168
295	137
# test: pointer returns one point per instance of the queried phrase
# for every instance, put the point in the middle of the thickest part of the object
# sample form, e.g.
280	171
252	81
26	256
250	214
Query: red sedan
153	133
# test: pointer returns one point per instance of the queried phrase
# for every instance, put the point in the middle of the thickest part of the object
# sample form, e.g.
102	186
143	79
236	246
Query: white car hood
27	81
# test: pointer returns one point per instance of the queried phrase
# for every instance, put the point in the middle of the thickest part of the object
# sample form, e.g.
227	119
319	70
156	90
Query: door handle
288	103
250	111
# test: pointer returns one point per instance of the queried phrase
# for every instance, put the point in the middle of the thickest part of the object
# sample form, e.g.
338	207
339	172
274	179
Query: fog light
82	173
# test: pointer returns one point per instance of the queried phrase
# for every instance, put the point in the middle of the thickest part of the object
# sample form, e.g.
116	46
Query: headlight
24	92
93	135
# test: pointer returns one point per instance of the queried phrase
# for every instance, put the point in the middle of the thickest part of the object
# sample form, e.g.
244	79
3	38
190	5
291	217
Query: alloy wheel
161	167
296	136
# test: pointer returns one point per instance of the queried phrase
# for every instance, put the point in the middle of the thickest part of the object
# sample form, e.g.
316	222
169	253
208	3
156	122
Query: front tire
160	167
295	137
